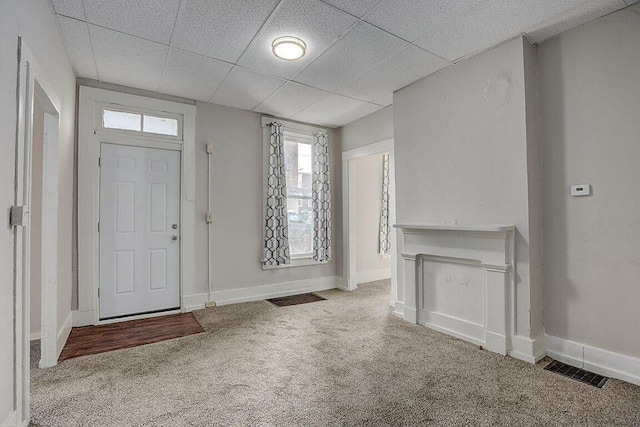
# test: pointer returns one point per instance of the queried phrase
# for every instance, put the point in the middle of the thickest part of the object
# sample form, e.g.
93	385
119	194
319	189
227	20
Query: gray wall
236	190
34	21
461	152
590	93
367	130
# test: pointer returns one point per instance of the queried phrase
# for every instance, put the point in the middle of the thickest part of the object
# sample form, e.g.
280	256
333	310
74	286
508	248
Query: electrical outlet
209	218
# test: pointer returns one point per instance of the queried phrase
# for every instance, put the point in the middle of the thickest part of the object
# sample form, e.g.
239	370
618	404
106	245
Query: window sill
296	262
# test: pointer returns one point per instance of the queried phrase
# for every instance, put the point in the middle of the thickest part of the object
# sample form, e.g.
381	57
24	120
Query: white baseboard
33	336
194	302
12	420
528	349
398	309
63	333
373	275
83	318
257	293
594	359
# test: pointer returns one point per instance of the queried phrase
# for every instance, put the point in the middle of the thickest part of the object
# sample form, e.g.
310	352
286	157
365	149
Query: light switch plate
580	190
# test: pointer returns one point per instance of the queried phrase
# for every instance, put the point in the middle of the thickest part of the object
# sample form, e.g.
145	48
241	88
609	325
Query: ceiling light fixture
288	48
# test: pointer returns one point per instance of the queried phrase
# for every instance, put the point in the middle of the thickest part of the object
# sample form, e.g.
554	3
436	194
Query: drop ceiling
359	51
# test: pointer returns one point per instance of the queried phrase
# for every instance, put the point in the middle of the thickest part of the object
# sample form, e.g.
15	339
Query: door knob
174	237
174	226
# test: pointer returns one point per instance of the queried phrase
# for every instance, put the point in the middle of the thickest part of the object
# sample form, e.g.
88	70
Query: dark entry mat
576	373
296	299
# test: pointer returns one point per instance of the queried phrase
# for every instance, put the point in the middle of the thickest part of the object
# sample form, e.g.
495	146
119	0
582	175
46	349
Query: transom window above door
117	118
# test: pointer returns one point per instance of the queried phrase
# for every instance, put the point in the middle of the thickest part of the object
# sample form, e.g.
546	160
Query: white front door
139	230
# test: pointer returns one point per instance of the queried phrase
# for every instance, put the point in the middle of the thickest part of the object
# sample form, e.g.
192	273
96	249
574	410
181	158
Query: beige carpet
343	361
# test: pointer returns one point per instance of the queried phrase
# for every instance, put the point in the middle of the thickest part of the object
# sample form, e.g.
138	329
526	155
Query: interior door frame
90	137
32	85
348	212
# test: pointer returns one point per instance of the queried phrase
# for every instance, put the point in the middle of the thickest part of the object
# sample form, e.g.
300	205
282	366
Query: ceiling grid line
359	51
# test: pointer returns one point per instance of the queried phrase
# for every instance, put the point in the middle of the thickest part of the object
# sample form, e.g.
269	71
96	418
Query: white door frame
348	211
33	84
89	139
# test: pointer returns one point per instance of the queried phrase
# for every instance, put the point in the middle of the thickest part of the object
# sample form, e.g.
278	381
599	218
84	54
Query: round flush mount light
288	48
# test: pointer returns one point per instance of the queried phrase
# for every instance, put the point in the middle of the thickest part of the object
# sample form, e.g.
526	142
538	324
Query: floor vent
296	299
576	373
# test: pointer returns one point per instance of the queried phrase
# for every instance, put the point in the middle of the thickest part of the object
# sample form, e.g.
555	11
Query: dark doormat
576	373
115	336
296	299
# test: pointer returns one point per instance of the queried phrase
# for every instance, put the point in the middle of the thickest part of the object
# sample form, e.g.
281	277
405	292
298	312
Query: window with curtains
297	220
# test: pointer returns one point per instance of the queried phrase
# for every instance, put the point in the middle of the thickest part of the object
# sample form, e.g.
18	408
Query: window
297	160
132	121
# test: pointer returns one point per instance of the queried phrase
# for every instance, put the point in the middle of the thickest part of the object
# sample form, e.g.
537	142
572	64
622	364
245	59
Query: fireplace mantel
459	280
455	227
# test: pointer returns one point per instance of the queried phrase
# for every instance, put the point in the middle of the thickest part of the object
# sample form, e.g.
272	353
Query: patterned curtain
276	231
385	227
321	198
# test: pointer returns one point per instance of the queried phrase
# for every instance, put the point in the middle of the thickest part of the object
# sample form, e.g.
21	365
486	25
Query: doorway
139	230
35	218
365	159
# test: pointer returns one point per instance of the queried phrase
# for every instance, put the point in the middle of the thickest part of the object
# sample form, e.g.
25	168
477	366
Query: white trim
398	309
348	213
82	318
89	140
12	419
594	359
63	334
34	336
373	275
295	262
527	349
139	316
32	85
274	290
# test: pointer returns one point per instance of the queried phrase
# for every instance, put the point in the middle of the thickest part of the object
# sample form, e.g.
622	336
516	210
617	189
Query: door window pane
121	120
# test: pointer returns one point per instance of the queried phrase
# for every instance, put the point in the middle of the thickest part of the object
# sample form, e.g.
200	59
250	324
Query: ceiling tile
149	19
71	8
336	110
355	7
493	21
220	28
316	23
555	23
410	19
362	49
192	76
244	88
398	71
127	60
75	35
290	99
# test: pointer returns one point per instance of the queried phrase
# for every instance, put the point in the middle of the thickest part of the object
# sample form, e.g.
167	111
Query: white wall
461	149
590	93
375	127
237	200
34	21
368	195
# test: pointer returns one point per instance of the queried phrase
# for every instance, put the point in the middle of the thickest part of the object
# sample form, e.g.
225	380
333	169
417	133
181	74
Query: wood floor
115	336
